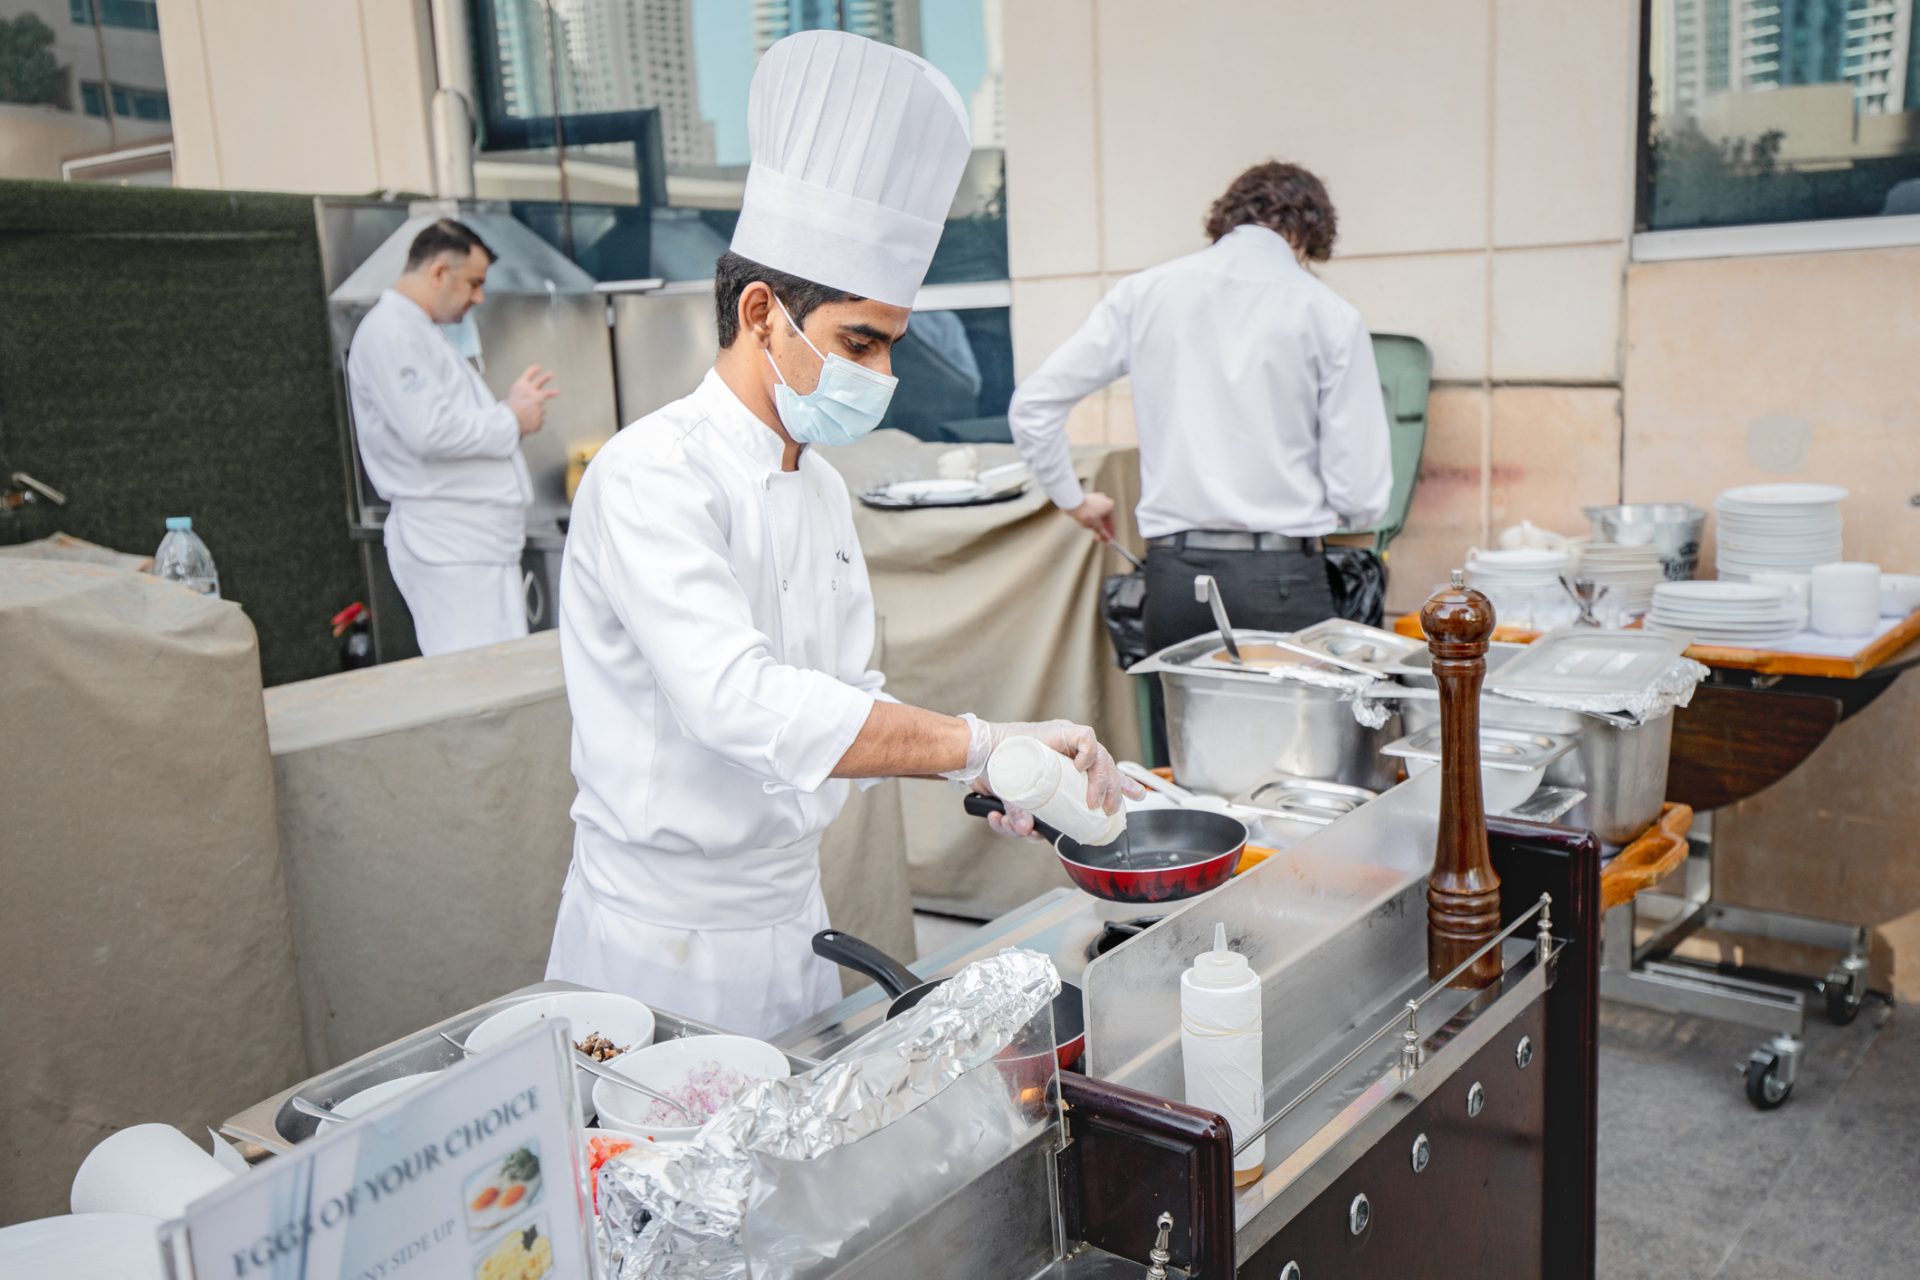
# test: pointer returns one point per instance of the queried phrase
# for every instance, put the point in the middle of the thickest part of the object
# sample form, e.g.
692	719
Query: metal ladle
1207	592
593	1068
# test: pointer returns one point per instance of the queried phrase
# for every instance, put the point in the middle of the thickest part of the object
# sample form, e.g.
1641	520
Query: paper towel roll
152	1169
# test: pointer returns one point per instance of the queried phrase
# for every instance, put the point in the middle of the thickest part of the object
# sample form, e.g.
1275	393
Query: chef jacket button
783	584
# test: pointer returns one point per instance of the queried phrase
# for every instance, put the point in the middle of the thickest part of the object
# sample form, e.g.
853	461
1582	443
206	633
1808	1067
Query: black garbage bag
1359	580
1123	606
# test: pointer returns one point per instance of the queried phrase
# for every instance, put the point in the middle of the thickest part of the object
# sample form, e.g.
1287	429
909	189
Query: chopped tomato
599	1151
485	1198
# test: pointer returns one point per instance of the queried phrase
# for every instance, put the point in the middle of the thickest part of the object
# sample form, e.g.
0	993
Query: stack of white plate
1524	585
1744	615
1628	573
1777	528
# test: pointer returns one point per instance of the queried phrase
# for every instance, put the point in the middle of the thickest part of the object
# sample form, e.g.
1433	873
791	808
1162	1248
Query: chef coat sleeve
1356	457
663	566
857	630
1093	357
409	388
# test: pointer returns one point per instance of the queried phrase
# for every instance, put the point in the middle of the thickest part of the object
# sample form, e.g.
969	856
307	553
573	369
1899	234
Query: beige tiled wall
1797	367
325	96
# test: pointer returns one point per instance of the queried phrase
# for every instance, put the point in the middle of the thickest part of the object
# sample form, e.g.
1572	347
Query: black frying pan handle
864	957
980	805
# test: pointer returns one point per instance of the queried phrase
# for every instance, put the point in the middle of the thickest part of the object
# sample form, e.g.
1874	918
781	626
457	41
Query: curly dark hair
1283	198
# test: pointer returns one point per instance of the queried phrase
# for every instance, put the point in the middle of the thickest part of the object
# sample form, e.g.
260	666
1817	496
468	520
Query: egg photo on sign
503	1190
521	1254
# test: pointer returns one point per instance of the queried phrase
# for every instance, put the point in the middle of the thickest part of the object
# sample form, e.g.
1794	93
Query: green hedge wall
165	352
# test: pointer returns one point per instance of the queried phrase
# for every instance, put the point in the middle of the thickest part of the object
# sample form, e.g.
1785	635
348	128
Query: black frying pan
908	989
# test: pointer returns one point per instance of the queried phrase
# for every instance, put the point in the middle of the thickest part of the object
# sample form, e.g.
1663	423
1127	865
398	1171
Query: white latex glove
1106	785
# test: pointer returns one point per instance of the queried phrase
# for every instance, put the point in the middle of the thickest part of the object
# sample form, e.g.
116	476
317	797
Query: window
128	103
1769	111
693	74
134	15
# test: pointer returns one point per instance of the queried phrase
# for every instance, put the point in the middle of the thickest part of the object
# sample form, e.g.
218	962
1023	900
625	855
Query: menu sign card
474	1175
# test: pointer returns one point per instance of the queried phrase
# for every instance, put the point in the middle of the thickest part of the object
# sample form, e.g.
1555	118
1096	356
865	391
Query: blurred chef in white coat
441	449
715	617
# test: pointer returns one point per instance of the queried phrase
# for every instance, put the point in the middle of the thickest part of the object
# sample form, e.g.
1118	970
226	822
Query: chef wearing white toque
715	616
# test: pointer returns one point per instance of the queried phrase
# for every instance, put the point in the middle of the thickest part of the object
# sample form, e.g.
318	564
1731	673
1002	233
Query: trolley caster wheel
1846	990
1766	1089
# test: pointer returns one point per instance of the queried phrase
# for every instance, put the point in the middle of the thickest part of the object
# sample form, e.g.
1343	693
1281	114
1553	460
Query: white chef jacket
1255	394
438	445
715	627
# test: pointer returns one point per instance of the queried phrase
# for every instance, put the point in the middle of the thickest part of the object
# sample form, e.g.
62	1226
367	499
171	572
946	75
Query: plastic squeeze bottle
1220	1047
1029	773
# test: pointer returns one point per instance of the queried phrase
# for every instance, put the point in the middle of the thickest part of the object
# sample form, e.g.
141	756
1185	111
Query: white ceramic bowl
1899	594
621	1019
666	1066
358	1104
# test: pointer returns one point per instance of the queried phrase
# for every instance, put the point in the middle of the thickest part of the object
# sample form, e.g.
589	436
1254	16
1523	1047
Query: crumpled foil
1673	688
1353	685
679	1213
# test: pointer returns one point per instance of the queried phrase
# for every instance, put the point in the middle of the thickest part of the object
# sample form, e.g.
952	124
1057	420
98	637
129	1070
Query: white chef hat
857	150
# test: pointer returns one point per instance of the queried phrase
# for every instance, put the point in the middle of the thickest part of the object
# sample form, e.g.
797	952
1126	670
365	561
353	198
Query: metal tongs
1585	594
1207	592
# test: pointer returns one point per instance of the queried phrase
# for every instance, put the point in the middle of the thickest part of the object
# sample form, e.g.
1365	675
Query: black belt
1231	540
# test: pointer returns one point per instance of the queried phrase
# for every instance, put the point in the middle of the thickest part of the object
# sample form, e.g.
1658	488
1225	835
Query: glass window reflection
1781	111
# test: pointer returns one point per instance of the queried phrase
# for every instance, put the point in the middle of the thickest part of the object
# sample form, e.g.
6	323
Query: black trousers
1263	591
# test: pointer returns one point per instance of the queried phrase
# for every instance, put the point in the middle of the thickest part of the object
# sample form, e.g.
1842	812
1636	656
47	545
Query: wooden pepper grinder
1463	894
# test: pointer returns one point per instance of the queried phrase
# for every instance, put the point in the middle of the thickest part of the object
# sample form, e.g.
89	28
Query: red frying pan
1165	853
908	989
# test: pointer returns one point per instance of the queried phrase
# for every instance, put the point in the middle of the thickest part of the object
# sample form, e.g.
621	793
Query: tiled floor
1697	1185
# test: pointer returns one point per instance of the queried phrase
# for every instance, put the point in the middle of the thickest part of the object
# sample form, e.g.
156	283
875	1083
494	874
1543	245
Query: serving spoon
593	1068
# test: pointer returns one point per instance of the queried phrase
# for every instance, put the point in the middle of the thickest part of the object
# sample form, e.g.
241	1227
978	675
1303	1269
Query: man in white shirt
441	450
715	617
1261	421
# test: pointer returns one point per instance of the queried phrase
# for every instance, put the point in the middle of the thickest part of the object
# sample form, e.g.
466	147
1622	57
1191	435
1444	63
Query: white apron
458	606
715	624
755	980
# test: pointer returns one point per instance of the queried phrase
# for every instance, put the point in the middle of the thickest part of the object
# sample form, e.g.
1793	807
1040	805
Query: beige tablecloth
995	610
143	924
423	810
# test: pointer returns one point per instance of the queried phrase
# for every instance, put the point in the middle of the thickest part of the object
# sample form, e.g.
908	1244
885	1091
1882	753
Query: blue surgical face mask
848	403
464	334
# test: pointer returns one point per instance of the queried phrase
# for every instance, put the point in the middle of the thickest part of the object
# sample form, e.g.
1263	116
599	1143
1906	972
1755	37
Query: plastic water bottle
183	558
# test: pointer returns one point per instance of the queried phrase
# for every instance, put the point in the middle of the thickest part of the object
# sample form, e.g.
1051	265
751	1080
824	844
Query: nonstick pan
1165	854
908	989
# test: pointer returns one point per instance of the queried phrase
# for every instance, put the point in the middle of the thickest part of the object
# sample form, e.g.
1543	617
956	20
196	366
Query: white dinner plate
1718	591
83	1246
1764	496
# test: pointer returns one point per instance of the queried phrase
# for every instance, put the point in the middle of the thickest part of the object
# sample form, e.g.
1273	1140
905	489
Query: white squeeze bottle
1220	1047
1029	773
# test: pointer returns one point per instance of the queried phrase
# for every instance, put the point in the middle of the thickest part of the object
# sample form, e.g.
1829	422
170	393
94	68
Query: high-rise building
519	78
1750	46
894	22
989	106
613	55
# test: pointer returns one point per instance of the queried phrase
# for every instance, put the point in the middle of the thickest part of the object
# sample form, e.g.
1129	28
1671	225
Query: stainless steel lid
1353	646
1584	663
1515	749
